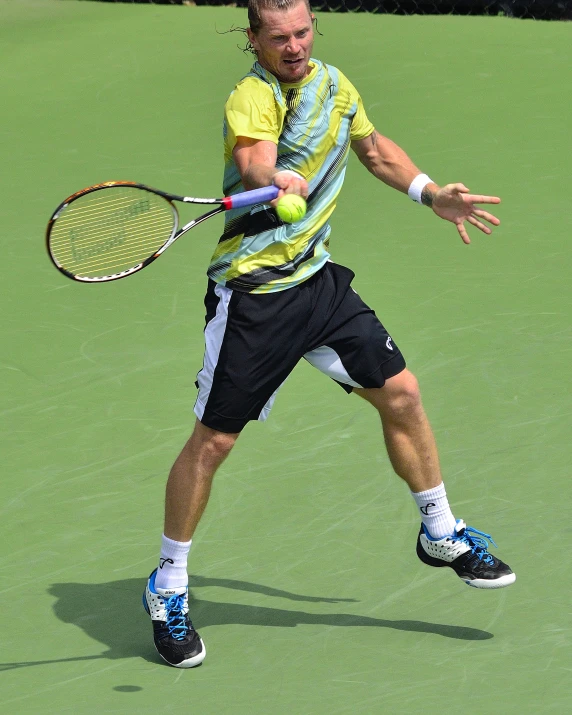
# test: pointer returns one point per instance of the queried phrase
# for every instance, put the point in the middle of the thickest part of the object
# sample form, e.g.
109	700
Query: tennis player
275	297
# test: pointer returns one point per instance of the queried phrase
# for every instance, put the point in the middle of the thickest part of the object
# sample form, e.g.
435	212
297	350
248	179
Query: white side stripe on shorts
328	361
214	334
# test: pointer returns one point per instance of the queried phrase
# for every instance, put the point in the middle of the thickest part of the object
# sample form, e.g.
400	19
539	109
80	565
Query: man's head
282	35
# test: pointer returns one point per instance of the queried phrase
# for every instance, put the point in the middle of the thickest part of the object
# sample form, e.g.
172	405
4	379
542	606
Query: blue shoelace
479	545
176	622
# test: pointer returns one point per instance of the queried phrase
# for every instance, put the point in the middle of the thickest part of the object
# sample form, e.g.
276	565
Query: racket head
109	231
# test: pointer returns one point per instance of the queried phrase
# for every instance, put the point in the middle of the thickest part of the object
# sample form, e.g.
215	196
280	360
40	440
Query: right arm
256	159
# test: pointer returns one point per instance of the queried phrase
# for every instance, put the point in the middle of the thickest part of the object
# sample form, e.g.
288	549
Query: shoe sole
500	582
193	662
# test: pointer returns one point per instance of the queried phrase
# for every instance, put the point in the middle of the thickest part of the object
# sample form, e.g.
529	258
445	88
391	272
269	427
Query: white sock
435	511
172	571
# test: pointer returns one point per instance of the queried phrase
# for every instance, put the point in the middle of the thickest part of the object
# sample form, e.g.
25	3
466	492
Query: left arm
387	162
453	202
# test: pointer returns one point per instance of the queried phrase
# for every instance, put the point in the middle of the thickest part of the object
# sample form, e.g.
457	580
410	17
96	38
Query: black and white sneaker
466	552
176	640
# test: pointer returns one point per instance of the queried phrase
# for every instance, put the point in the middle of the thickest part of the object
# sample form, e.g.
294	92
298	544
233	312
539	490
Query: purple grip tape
256	196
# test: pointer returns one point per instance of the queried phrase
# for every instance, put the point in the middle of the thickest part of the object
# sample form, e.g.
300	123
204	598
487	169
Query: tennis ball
291	208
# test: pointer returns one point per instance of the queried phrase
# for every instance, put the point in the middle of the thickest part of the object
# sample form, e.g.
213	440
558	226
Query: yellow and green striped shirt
312	123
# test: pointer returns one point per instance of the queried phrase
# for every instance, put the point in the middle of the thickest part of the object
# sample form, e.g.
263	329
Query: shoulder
340	80
250	90
334	72
345	83
252	111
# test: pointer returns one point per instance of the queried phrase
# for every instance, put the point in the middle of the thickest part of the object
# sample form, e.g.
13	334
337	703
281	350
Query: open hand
454	203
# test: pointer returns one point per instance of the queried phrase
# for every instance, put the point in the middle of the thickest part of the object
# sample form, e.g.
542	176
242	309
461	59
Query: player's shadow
111	613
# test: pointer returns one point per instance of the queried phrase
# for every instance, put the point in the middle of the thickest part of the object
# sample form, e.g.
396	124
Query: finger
290	182
293	187
298	186
459	188
481	199
281	179
463	233
481	226
274	203
486	216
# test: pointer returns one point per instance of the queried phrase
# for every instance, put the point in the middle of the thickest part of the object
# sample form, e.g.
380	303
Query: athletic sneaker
176	640
466	552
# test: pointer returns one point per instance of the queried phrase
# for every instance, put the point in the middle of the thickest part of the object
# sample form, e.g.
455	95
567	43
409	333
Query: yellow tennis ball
291	208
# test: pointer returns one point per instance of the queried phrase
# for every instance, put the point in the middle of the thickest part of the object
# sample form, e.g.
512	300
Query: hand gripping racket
112	230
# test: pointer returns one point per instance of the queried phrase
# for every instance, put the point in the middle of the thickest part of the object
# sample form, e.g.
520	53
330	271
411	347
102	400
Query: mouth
294	63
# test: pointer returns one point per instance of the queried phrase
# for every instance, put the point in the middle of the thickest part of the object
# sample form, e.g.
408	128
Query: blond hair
255	7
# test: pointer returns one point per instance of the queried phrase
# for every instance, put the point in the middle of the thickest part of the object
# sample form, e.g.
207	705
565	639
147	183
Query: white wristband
417	186
288	171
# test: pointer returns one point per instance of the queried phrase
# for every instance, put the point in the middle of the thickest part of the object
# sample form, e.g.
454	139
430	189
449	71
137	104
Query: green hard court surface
306	586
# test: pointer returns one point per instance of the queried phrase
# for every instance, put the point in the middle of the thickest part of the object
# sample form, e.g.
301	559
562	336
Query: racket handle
249	198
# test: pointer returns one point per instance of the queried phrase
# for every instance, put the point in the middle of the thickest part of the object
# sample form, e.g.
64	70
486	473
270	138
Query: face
284	42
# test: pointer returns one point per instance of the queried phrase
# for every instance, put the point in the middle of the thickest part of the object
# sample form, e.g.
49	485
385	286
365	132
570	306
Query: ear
252	38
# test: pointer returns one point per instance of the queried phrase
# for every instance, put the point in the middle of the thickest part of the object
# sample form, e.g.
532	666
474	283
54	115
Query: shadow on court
112	614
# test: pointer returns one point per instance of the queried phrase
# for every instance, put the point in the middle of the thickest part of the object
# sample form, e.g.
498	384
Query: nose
293	45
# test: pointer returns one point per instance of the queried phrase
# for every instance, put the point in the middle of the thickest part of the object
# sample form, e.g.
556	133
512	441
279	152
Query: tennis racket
112	230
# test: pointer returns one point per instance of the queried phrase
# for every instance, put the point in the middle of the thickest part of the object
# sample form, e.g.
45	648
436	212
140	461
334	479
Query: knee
403	395
209	445
219	444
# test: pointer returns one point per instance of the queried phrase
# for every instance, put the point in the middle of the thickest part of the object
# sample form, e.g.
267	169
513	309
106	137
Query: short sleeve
251	111
361	126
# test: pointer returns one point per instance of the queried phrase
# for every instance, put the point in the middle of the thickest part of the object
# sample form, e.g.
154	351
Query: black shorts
254	341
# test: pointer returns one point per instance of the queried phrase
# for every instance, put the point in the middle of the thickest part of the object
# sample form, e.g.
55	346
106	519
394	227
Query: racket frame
246	198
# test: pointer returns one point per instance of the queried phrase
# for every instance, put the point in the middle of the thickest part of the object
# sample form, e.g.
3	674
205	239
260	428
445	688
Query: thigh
252	343
354	349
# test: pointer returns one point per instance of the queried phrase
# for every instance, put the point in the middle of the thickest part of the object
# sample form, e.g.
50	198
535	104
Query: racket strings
109	231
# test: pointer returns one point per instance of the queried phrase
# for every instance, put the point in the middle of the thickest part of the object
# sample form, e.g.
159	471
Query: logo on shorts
388	344
425	509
